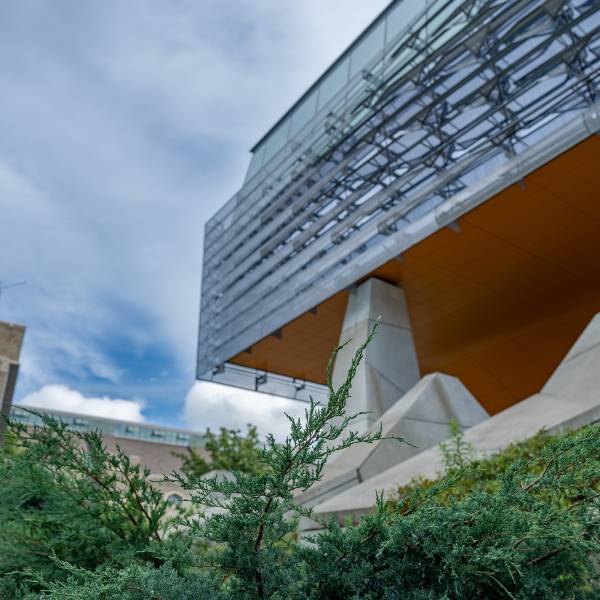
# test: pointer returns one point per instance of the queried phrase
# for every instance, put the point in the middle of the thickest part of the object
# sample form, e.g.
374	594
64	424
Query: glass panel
256	161
303	114
334	83
276	141
402	17
440	23
448	33
404	58
367	49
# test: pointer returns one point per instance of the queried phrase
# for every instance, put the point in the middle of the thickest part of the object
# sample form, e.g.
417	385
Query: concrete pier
389	368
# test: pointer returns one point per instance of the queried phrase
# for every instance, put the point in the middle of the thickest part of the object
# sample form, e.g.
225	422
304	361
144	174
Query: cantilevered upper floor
435	110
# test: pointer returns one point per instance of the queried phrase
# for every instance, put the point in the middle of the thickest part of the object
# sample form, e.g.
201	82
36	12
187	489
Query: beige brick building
11	341
157	447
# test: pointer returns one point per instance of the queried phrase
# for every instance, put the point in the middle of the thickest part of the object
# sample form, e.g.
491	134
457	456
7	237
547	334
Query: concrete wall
11	340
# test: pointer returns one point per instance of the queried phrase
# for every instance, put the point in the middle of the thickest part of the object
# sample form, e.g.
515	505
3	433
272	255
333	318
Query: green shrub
521	538
486	474
135	582
63	495
522	525
229	451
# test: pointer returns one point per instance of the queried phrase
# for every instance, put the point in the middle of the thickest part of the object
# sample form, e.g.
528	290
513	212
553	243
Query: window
256	161
334	83
367	49
174	499
303	114
401	17
276	140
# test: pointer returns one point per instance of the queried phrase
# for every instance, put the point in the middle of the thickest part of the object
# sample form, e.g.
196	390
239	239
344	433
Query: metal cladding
437	106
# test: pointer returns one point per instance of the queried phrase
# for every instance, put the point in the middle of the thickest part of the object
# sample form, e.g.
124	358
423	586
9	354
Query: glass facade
436	106
334	82
114	428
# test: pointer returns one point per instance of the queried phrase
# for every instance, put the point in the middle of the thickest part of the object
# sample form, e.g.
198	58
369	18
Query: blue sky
123	126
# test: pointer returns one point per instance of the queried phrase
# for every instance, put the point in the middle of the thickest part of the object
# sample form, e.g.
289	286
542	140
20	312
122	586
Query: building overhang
453	107
495	300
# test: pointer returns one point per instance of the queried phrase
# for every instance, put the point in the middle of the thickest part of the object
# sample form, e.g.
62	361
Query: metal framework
465	99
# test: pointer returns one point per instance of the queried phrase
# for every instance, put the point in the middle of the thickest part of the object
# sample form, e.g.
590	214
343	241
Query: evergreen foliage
134	582
229	451
525	528
456	453
63	495
469	473
485	474
255	510
519	540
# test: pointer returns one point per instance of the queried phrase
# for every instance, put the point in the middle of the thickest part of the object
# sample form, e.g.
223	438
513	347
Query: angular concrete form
570	399
422	416
389	368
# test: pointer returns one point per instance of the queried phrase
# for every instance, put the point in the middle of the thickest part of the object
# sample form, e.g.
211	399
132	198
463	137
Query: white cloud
60	397
124	127
214	405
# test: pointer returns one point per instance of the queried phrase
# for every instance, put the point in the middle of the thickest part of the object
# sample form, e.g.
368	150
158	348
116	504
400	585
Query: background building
154	446
11	341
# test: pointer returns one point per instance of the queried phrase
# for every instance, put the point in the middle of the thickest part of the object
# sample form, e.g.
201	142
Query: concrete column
389	368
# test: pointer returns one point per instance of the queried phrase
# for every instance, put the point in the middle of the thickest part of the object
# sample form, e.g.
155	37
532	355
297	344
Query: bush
531	535
63	496
135	582
525	528
229	451
483	474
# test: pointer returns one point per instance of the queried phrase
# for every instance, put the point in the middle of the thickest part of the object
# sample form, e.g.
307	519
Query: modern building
11	341
156	447
442	174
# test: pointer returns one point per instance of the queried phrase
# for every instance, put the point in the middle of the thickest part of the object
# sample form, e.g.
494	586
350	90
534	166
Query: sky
124	125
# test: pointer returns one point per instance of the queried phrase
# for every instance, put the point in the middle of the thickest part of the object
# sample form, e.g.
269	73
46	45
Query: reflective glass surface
462	93
111	427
